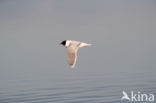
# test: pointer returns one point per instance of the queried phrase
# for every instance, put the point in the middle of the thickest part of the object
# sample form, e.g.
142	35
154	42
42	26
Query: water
33	67
81	87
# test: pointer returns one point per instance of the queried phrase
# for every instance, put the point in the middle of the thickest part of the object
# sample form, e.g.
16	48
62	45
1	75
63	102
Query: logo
137	97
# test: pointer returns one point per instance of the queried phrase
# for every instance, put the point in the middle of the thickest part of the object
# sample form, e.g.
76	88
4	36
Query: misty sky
123	34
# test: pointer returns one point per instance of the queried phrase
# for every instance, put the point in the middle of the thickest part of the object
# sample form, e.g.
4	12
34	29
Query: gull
71	50
125	96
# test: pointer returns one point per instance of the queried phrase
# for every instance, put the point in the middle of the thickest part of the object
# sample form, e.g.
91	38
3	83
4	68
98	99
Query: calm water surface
74	87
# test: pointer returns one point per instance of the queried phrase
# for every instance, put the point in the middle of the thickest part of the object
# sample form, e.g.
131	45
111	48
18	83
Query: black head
63	42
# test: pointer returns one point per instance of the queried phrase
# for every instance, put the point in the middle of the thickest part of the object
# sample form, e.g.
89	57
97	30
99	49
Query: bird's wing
71	54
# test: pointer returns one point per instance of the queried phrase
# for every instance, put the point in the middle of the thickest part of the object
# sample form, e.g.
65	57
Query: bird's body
71	50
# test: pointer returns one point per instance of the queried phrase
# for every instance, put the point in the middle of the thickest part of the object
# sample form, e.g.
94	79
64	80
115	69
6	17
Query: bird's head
63	43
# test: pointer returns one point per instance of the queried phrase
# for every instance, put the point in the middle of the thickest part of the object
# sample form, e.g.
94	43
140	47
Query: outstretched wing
71	54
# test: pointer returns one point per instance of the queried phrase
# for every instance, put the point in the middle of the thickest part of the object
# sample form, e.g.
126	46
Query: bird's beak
60	44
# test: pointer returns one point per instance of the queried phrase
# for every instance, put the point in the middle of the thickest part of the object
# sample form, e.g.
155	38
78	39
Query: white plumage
71	50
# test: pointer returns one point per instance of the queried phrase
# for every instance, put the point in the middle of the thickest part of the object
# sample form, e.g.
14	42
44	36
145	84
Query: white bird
71	50
125	96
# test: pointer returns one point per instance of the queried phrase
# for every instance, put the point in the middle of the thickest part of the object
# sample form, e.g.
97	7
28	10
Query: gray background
123	34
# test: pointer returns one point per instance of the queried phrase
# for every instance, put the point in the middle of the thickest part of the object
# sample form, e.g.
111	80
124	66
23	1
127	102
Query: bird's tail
84	45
